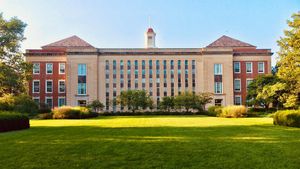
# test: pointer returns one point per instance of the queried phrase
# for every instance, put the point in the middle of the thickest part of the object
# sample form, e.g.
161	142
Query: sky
177	23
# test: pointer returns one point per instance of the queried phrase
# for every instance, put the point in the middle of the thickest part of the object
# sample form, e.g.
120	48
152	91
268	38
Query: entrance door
218	102
81	103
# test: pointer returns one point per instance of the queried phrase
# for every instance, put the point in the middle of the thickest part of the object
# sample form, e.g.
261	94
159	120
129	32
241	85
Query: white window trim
36	98
240	85
46	86
247	83
263	67
221	87
239	63
60	97
39	69
238	96
59	68
33	86
251	67
86	91
47	69
59	86
47	97
220	68
86	69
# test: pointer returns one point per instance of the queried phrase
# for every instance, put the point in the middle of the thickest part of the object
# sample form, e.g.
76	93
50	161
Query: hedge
287	118
13	121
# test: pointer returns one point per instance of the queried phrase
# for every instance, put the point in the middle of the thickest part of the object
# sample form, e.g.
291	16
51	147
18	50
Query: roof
150	30
73	41
226	41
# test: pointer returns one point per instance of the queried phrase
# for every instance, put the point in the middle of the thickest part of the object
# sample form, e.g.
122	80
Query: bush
45	116
44	108
233	112
21	104
214	110
13	121
67	112
287	118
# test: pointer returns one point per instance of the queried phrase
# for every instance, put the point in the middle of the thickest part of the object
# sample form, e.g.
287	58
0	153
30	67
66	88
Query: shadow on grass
258	146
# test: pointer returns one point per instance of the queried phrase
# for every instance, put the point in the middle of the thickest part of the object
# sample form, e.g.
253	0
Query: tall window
218	88
61	101
172	77
237	100
49	102
36	100
237	85
36	68
157	69
61	86
136	74
36	86
261	67
186	72
128	74
107	84
81	86
49	68
194	75
218	69
248	82
248	67
62	67
143	74
237	67
49	86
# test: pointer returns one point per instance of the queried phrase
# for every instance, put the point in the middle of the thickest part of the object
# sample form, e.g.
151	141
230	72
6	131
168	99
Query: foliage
14	71
214	110
68	112
22	104
167	103
260	92
96	106
134	100
45	116
44	108
6	115
289	64
233	112
287	118
201	100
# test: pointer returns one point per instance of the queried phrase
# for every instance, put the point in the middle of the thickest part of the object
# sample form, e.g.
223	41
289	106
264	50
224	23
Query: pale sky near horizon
178	23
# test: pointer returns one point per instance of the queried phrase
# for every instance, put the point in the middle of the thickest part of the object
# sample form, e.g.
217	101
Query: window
36	68
237	85
81	86
248	67
62	67
218	69
61	86
49	68
237	100
49	86
36	100
218	88
248	81
261	67
237	67
81	103
49	102
61	101
36	86
218	102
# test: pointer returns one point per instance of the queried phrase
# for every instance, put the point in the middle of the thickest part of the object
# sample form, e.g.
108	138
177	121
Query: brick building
73	72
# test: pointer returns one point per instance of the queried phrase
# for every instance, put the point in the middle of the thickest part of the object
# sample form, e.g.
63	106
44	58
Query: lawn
152	142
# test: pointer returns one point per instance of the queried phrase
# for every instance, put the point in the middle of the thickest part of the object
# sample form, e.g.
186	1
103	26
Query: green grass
152	142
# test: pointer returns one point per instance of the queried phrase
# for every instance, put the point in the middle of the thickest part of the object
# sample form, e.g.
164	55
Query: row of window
237	84
48	86
49	68
249	67
49	101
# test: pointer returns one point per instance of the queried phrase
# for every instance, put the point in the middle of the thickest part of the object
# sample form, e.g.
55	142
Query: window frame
49	97
239	63
61	97
48	80
221	69
33	86
248	79
33	72
237	79
251	67
59	66
240	98
47	68
215	85
263	70
59	86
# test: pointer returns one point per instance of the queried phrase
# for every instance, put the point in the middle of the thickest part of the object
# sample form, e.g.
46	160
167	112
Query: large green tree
289	64
14	71
167	103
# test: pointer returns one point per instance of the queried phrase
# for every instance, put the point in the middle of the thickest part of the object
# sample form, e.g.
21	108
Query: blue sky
178	23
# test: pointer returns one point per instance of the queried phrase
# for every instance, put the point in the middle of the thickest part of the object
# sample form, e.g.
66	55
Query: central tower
150	38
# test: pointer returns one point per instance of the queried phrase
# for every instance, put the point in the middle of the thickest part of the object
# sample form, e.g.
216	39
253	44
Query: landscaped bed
152	142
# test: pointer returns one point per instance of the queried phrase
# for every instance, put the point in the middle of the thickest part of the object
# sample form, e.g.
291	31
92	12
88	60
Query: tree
167	103
14	71
201	100
258	92
185	101
134	100
289	63
96	105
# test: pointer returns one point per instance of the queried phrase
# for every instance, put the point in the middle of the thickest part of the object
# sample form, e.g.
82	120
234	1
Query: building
73	72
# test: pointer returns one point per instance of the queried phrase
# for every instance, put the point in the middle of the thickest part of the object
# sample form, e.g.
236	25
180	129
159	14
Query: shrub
21	104
233	111
214	110
13	121
67	112
287	118
44	108
45	116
